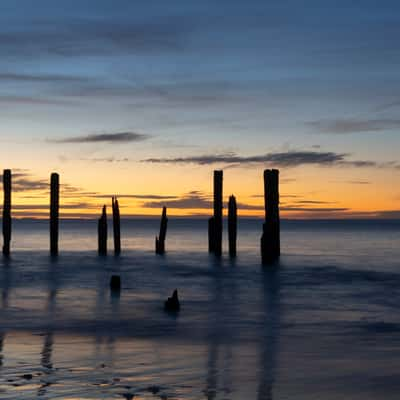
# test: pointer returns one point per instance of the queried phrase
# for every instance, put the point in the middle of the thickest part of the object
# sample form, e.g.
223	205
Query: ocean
322	323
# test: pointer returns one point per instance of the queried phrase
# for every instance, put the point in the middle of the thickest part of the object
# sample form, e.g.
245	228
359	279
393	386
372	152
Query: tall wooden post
116	226
215	223
7	211
102	232
232	225
270	240
160	240
54	212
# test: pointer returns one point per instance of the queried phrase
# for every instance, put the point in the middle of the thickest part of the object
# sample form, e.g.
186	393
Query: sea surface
323	323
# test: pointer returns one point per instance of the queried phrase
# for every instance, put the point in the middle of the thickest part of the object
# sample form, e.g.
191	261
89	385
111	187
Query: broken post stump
172	304
115	283
102	232
116	226
215	223
160	240
232	225
54	212
270	240
7	212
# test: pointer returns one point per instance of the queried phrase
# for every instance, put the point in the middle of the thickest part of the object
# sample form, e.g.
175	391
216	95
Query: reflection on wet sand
4	306
269	338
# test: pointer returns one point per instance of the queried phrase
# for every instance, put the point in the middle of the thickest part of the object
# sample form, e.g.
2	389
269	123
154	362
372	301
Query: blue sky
200	78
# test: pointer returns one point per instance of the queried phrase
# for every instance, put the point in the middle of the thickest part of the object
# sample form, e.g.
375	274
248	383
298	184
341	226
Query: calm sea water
324	323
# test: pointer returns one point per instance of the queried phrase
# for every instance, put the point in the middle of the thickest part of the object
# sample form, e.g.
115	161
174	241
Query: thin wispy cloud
118	137
191	200
41	78
95	37
279	159
347	126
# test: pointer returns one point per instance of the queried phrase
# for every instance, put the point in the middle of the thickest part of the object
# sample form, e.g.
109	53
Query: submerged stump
115	283
172	304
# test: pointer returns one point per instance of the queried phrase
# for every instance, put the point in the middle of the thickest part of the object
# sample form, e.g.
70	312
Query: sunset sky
145	99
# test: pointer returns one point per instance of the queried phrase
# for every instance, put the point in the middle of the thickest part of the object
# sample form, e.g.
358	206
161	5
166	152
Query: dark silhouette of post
102	232
215	223
116	226
54	212
7	212
270	240
160	240
232	225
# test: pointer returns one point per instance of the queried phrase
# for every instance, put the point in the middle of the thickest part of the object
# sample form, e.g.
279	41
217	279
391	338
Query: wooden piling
102	232
215	223
211	231
54	212
270	240
160	240
116	226
232	225
7	212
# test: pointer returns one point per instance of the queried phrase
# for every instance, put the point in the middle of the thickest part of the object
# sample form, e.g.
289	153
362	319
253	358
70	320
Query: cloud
94	37
136	196
344	126
24	181
41	78
35	101
45	207
279	159
314	209
191	200
360	182
106	159
196	200
118	137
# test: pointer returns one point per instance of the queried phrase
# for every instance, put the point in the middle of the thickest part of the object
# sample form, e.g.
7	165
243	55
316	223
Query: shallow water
321	324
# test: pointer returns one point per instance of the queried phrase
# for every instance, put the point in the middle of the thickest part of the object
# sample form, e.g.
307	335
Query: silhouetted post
102	232
211	233
116	226
232	225
54	212
7	211
160	240
215	223
270	240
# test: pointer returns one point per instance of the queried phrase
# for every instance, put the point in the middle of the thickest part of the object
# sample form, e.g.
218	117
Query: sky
145	99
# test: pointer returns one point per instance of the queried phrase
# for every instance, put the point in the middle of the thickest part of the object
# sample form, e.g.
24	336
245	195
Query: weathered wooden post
270	240
215	223
7	211
116	226
102	232
211	232
232	225
54	212
160	240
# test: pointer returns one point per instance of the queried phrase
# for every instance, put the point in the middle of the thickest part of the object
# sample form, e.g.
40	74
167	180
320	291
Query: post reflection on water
269	340
220	337
48	337
4	306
